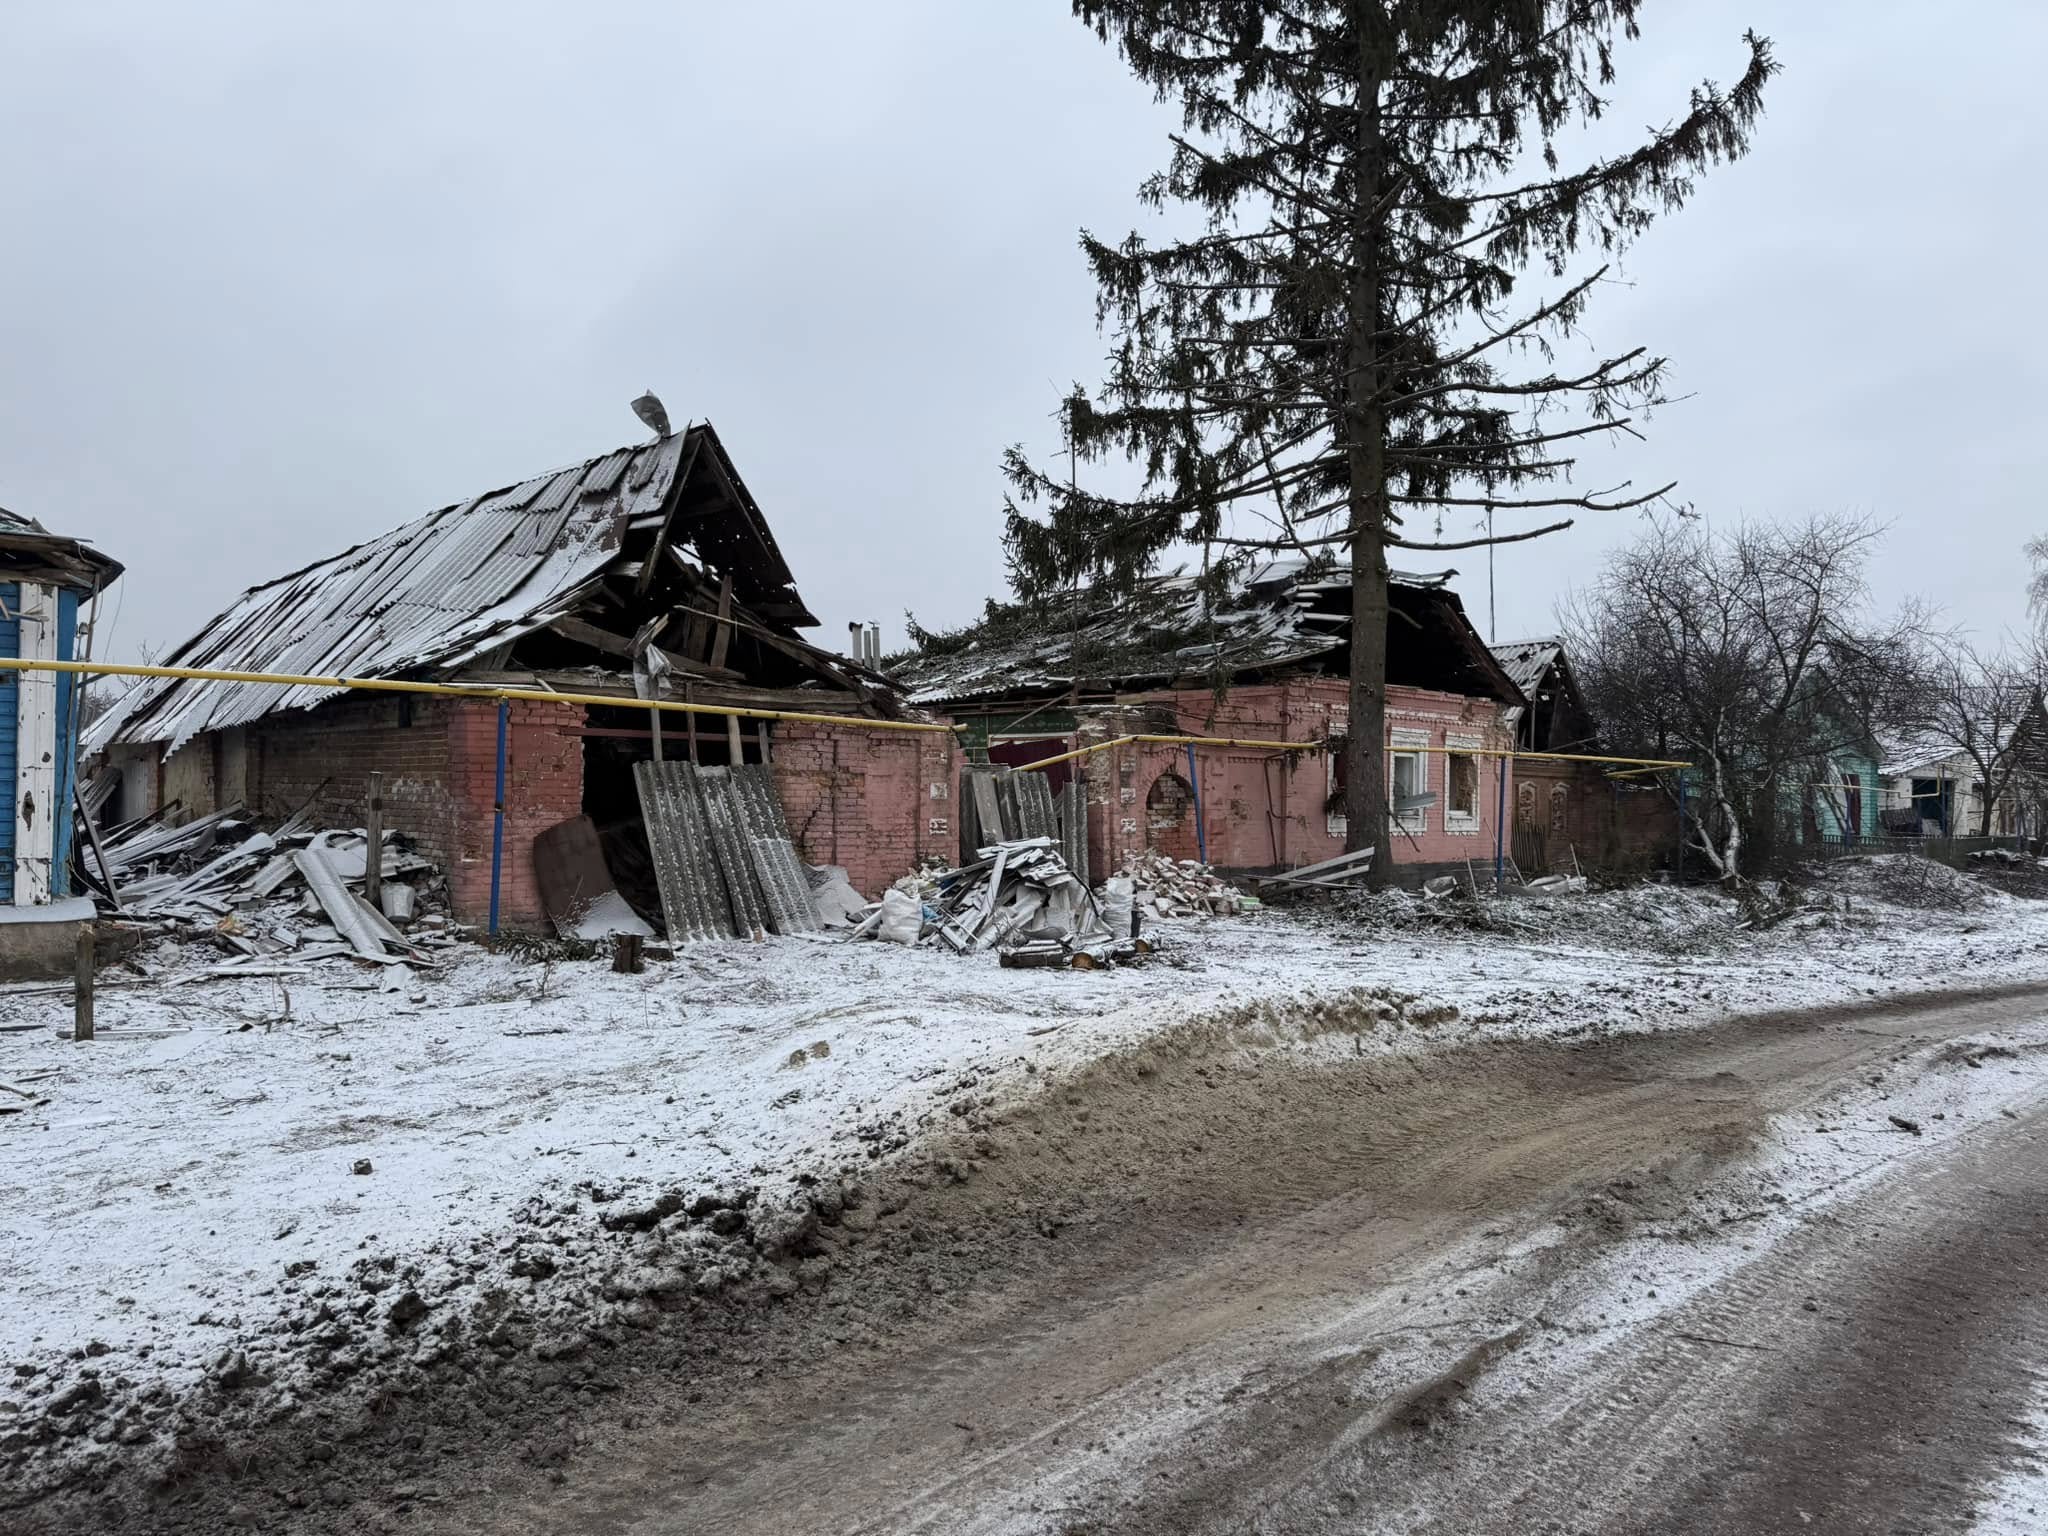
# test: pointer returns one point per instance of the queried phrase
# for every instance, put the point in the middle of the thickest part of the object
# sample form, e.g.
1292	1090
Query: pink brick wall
875	802
1263	809
543	786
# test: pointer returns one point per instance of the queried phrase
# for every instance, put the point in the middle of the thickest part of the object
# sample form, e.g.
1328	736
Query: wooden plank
722	637
1323	866
590	635
99	854
373	836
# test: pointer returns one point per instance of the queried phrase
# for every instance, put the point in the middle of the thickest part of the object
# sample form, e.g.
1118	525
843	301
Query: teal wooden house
46	582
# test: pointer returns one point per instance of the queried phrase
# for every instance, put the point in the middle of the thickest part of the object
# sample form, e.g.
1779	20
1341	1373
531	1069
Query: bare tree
1986	707
1750	653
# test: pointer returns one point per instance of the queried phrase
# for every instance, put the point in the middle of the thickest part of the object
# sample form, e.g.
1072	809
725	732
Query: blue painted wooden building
46	583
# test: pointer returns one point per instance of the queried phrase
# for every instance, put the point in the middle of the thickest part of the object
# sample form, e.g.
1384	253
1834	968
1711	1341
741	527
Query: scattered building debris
274	900
1345	869
1018	898
1182	887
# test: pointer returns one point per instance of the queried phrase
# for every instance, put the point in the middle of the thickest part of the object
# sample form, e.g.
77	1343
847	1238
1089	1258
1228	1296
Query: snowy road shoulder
283	1189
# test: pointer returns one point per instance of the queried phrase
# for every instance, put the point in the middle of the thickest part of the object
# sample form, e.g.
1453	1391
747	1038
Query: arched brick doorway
1170	816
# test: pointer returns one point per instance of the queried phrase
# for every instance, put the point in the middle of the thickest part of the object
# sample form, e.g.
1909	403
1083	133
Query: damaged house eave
651	561
1281	620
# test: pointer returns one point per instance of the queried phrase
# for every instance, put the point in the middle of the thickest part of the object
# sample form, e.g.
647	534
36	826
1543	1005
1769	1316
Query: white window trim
1410	821
1456	820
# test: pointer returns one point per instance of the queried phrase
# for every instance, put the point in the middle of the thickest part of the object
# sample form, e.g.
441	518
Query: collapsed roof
1558	719
30	552
653	549
1285	616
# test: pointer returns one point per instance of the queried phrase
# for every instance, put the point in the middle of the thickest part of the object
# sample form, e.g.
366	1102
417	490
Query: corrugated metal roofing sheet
433	594
1526	661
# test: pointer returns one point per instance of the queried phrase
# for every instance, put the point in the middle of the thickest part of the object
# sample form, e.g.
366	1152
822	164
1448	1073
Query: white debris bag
839	904
902	917
1117	894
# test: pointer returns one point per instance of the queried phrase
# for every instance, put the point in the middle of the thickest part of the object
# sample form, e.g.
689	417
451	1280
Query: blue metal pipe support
498	813
1195	784
1500	827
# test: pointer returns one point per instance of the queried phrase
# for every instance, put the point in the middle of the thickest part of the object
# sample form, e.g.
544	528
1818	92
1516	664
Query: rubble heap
296	893
1168	887
1018	898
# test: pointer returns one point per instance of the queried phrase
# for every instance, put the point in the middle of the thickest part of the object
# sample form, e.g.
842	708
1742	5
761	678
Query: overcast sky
275	278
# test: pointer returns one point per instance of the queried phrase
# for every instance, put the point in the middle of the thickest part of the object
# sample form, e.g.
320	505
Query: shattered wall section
875	802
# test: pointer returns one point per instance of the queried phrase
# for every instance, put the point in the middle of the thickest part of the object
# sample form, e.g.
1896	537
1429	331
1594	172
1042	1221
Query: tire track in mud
1233	1201
1871	1372
1114	1278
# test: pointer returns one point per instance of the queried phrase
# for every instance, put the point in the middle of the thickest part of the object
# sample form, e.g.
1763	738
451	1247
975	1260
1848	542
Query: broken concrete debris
1173	887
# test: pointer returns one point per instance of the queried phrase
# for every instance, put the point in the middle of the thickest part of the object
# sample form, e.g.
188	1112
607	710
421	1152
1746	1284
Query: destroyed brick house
1266	662
1573	814
647	568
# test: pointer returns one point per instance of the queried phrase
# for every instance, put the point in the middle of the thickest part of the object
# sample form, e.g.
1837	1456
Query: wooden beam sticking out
721	638
733	742
590	635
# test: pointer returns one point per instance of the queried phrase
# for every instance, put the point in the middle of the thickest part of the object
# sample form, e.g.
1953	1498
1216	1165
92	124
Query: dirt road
1700	1281
1504	1290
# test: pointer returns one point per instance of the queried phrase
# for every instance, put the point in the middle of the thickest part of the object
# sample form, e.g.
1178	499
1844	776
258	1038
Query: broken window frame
1418	755
1459	818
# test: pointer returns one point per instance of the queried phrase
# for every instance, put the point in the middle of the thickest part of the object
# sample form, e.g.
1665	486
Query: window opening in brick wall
1408	777
1461	791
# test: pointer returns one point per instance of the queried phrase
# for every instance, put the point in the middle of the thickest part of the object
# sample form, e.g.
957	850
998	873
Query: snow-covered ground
181	1191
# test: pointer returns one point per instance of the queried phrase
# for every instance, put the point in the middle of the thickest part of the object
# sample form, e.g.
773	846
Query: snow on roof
1278	614
1909	754
446	588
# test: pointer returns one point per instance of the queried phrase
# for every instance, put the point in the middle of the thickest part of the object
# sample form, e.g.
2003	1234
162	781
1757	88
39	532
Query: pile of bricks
1170	887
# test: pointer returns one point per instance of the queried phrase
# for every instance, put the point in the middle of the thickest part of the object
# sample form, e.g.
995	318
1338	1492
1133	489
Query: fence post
81	995
373	850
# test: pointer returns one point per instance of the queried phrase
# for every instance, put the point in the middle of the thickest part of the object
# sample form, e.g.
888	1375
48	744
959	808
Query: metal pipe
468	691
1197	741
1195	784
498	811
1645	764
1500	834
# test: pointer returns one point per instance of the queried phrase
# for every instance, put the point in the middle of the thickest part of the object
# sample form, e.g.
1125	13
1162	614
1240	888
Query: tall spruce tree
1344	352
